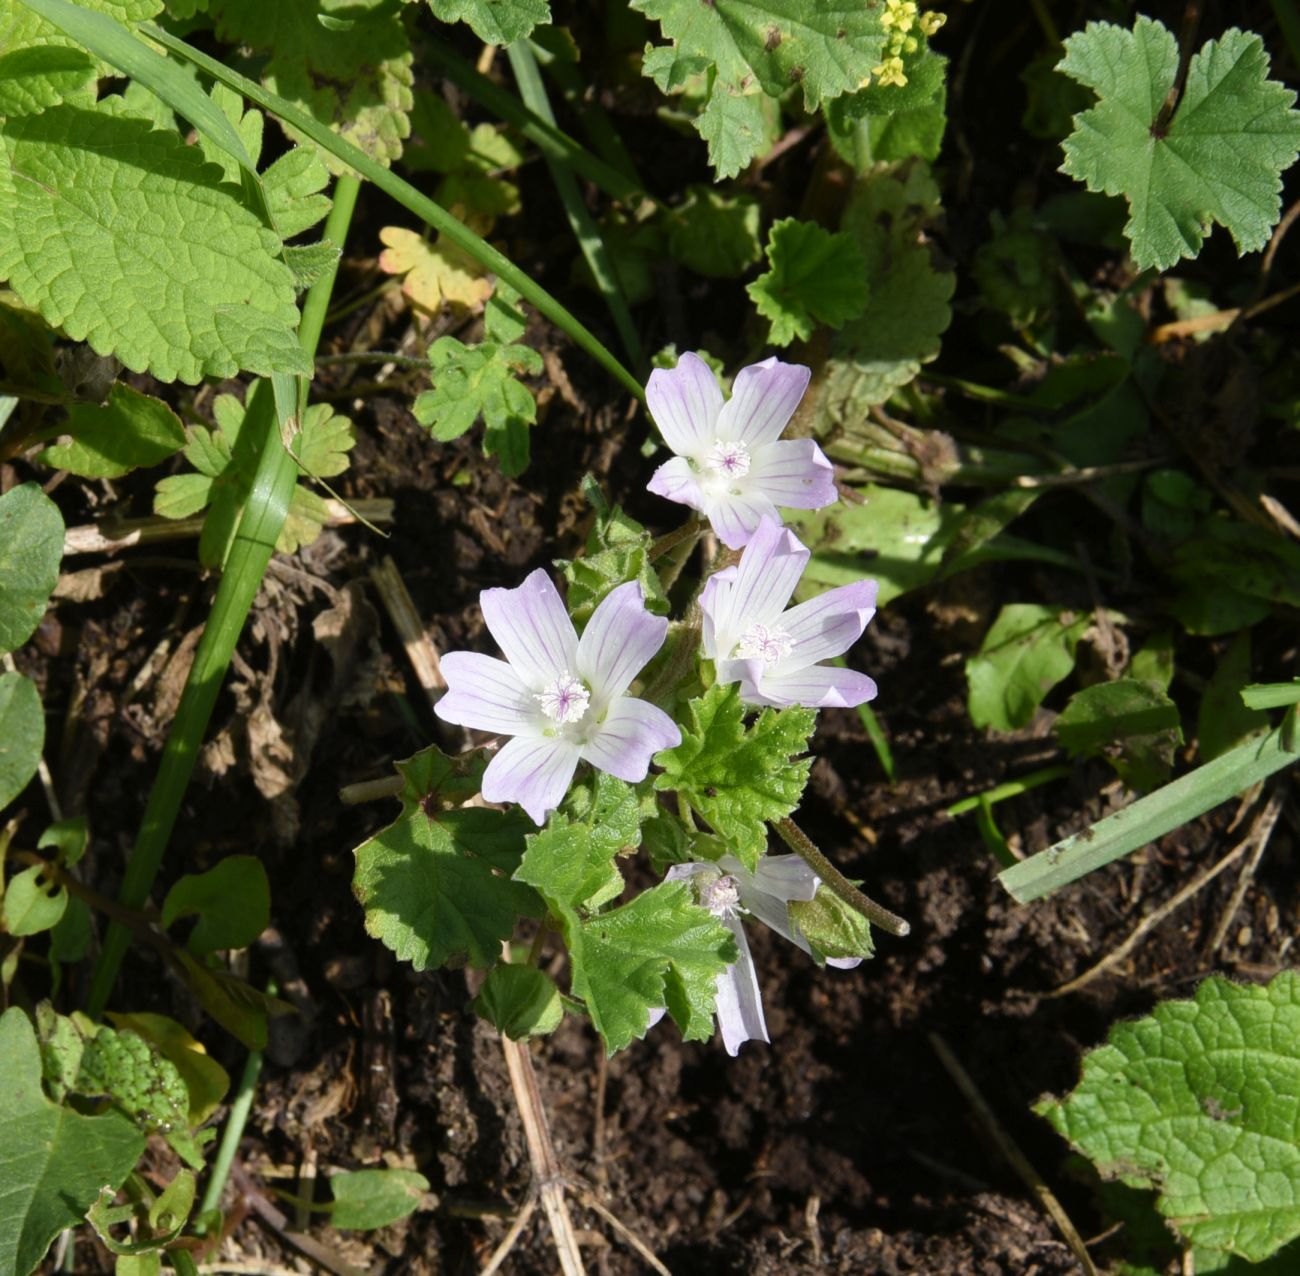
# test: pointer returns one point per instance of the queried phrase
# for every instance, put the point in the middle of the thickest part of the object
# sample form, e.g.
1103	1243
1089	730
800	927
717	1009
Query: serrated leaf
130	431
617	552
660	950
434	273
1218	159
148	230
310	263
813	276
33	901
519	1001
232	902
31	548
715	234
53	1161
431	883
34	77
1198	1101
1026	652
494	21
294	186
374	1198
737	777
572	865
22	734
1132	724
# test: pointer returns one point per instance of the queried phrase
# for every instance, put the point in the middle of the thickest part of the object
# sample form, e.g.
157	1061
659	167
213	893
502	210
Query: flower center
758	642
721	897
564	700
728	460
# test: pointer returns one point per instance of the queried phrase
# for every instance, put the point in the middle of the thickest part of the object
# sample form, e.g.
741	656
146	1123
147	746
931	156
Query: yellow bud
931	22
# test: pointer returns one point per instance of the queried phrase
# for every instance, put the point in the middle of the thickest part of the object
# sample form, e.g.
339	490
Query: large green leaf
31	547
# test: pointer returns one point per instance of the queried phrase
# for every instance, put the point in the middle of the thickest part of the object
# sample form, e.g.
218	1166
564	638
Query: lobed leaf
494	21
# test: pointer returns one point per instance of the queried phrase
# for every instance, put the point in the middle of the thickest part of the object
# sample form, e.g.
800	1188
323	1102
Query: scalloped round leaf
31	547
124	237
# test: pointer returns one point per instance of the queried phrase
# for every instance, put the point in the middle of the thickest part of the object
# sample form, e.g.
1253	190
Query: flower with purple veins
772	652
732	464
562	698
729	890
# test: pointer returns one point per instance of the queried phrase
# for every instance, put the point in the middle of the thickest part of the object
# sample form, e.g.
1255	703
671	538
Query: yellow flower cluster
900	19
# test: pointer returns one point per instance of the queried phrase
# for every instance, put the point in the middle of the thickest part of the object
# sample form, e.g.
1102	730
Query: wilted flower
771	652
560	696
732	464
729	891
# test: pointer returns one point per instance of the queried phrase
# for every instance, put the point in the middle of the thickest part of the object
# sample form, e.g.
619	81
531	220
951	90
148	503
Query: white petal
632	733
684	402
740	1004
829	624
486	693
618	640
768	571
714	602
675	481
816	687
785	877
735	516
795	473
763	399
533	628
534	771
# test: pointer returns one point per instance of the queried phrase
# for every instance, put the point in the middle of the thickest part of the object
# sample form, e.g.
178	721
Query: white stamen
729	460
721	897
564	700
758	642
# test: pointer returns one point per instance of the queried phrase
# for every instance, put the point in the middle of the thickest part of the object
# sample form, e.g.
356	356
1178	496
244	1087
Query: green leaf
661	949
232	902
481	381
431	883
206	1081
756	47
715	234
737	778
617	552
908	308
1028	650
149	229
813	276
31	546
323	442
239	1008
1130	723
1271	695
1218	159
130	431
519	1001
1224	720
71	836
22	734
33	901
494	21
33	77
53	1161
1196	1100
374	1198
831	927
884	123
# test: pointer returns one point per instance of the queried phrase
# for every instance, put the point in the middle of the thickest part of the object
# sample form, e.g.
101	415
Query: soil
844	1146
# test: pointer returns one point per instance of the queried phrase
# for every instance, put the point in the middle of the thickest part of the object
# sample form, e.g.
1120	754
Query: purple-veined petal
749	673
533	628
684	402
534	771
632	733
763	399
486	693
712	599
844	963
765	578
735	516
829	624
795	473
740	1004
618	640
675	481
816	687
785	877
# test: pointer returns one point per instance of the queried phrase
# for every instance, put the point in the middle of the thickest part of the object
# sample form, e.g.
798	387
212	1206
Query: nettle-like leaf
908	307
753	48
617	551
435	884
813	277
1026	652
737	777
148	255
352	72
1198	1100
483	381
715	234
494	21
130	431
53	1161
1219	158
225	459
31	548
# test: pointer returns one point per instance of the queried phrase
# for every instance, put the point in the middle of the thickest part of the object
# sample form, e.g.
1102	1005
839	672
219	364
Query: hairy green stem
877	914
254	544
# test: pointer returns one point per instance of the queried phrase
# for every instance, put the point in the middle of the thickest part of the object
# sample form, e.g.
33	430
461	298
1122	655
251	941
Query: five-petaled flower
562	698
732	464
728	890
771	652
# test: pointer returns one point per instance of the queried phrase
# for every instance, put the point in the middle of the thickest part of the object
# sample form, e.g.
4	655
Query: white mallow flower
732	463
730	891
772	652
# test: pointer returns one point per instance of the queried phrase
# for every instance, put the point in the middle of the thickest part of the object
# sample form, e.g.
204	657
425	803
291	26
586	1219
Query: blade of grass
1009	789
259	527
236	1119
875	732
581	222
1153	816
1271	695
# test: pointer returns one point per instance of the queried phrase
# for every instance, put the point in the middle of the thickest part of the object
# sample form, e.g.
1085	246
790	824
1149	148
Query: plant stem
236	1119
692	527
259	527
877	914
